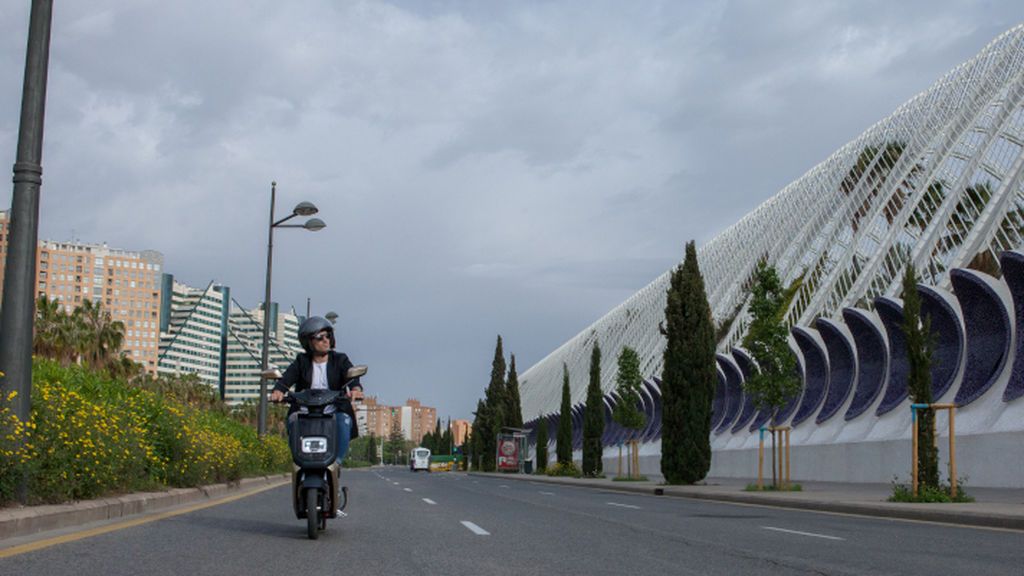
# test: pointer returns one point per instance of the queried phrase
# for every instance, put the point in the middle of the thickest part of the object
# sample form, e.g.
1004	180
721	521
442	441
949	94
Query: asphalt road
406	523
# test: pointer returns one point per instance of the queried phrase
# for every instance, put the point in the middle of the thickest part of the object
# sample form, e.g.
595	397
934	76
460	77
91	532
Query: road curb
939	513
25	521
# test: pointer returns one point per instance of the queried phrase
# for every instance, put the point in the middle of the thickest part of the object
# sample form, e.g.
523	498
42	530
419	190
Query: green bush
563	469
930	494
91	435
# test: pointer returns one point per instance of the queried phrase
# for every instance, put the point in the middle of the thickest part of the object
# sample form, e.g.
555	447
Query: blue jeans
344	428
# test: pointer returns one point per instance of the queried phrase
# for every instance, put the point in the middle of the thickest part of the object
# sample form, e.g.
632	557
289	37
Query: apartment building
413	420
126	283
461	431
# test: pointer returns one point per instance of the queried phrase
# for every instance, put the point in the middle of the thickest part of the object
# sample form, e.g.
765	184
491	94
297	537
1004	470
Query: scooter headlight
314	445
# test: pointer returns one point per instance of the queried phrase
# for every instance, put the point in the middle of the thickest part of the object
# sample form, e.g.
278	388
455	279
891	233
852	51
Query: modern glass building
207	333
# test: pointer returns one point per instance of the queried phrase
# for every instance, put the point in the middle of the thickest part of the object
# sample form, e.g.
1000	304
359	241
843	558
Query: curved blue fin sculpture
718	404
656	409
872	354
948	336
746	364
842	363
988	333
733	391
577	426
1013	273
790	407
815	374
891	313
611	430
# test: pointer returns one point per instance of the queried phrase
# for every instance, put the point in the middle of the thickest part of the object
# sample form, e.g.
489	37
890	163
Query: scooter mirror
356	371
272	374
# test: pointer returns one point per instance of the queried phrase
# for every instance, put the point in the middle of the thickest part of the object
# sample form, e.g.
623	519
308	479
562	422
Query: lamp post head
305	209
314	224
332	317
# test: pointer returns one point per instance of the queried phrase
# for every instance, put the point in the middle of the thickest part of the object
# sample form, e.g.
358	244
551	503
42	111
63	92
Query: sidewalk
993	508
18	521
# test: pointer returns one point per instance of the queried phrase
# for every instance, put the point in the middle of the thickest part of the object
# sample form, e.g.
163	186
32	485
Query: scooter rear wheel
312	517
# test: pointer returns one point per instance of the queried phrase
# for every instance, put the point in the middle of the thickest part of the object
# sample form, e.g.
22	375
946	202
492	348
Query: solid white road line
811	534
407	489
429	501
475	529
630	506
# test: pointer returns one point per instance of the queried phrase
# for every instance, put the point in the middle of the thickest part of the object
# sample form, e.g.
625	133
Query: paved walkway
993	507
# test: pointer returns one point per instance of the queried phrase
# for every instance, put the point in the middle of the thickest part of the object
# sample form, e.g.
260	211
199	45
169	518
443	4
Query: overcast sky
483	168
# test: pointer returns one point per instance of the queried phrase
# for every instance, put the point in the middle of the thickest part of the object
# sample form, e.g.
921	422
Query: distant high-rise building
412	420
206	333
126	283
245	345
193	331
461	431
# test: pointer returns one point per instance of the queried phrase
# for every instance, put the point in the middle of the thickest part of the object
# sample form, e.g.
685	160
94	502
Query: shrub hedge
90	435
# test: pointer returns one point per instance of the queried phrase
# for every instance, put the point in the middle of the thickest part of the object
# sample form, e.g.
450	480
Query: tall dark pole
18	311
261	426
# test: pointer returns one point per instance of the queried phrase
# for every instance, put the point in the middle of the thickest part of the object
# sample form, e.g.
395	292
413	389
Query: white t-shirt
319	376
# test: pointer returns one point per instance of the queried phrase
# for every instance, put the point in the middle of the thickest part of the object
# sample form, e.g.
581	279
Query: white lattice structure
937	183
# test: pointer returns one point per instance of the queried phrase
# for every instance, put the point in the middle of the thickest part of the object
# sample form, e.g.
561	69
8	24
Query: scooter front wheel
312	516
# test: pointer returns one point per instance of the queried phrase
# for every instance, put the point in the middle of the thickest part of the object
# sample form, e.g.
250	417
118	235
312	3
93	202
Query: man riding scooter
320	371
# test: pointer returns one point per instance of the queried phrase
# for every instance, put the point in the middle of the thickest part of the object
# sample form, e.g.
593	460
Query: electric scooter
314	446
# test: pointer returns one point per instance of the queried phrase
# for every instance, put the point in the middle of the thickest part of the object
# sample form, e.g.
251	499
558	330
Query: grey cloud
484	168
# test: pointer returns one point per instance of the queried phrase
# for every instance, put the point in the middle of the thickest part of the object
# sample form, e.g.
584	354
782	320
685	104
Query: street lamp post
313	225
18	315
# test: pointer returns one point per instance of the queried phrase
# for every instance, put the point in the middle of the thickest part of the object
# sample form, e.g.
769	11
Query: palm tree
101	337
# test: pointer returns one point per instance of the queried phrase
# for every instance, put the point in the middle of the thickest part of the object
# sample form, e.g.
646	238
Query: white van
420	460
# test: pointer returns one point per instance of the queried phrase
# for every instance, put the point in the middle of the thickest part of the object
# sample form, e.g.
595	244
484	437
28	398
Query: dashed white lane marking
395	483
407	489
630	506
503	486
548	493
429	501
811	534
475	529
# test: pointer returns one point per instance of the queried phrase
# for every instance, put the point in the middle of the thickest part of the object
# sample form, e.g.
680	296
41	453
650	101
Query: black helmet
312	326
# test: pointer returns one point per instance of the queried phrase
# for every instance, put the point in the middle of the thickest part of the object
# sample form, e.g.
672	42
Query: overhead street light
313	225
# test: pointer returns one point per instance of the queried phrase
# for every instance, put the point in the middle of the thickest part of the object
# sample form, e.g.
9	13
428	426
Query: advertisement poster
508	453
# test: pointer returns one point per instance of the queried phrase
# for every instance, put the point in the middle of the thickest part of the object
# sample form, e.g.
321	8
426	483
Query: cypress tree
515	407
919	380
495	412
688	375
476	434
445	445
542	444
593	418
439	445
563	442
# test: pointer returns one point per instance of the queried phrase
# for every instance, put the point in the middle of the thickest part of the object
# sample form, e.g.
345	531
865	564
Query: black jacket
300	375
